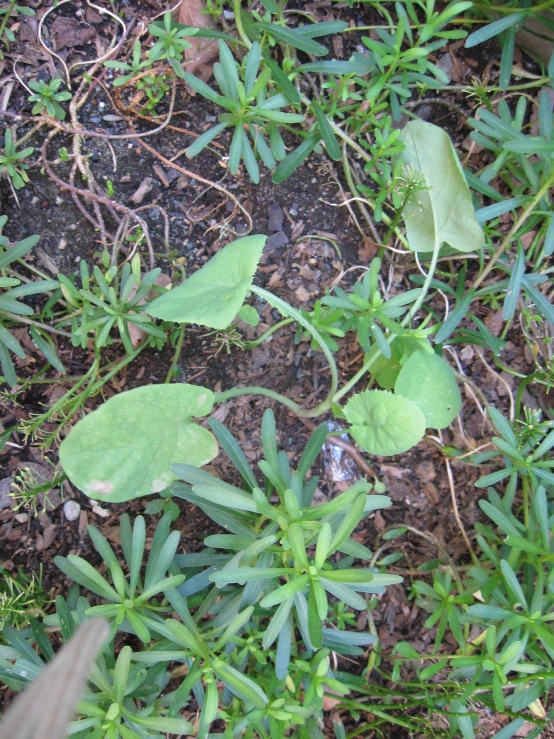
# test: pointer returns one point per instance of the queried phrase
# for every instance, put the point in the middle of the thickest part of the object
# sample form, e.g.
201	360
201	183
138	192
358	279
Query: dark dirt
298	271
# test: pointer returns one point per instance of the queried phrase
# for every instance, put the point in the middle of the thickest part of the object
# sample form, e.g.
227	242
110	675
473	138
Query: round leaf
429	381
125	448
383	423
214	295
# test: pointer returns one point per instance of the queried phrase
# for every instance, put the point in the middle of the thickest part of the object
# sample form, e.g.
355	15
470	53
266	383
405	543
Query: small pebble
100	511
22	517
302	294
71	510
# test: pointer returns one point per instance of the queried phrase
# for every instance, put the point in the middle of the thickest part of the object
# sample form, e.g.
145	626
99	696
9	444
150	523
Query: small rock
302	295
276	241
276	217
100	511
22	517
5	490
71	510
446	65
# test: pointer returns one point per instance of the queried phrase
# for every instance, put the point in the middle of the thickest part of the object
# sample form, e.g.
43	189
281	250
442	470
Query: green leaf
282	81
493	29
383	423
18	250
443	211
484	611
292	161
297	40
125	448
429	381
48	350
165	724
240	685
513	583
214	294
329	139
206	138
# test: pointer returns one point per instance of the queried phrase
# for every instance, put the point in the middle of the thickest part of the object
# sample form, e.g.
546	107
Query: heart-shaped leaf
383	423
214	295
429	381
126	447
442	211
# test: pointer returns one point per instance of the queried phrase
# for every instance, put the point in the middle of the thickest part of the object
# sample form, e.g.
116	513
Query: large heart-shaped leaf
429	381
214	295
126	447
441	212
383	423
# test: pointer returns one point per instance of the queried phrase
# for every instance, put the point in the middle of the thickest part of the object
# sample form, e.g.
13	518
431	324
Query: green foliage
257	610
525	450
250	108
11	161
7	36
21	598
514	16
125	448
214	294
339	312
171	43
110	299
402	59
46	97
132	68
11	290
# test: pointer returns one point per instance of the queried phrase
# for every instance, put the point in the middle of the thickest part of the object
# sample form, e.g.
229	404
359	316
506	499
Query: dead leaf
48	535
66	32
367	250
495	322
202	50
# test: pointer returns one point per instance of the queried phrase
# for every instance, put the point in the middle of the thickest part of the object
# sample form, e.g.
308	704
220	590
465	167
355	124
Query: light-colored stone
71	510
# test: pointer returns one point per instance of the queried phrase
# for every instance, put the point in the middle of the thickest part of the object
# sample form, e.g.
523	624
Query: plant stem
267	334
238	23
7	15
30	322
512	232
178	347
236	392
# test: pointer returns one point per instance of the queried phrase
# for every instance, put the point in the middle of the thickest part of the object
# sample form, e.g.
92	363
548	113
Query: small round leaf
126	447
383	423
214	295
429	381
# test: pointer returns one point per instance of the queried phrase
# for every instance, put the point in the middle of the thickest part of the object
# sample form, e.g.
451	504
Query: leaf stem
238	23
266	334
30	322
236	392
178	347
